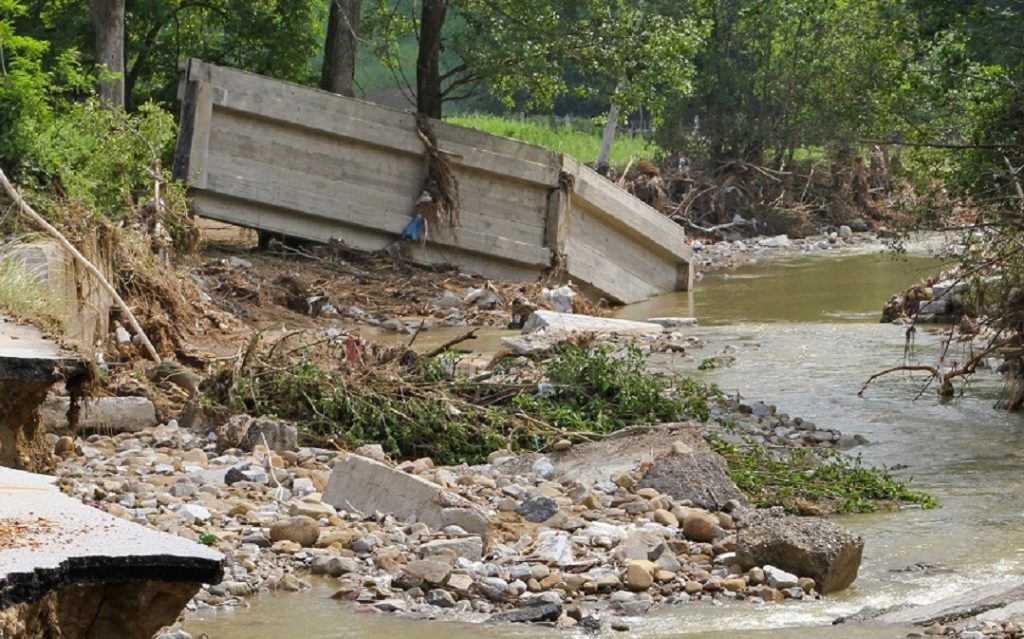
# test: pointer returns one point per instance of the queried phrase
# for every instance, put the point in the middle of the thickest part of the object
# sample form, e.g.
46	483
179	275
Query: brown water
809	335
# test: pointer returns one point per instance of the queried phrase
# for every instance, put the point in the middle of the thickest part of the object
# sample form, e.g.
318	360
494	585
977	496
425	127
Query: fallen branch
452	342
53	232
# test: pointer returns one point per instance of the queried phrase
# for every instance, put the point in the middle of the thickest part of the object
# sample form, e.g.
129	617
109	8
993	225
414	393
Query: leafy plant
802	479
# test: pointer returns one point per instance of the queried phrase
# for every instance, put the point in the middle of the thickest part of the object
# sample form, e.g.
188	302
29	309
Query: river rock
538	509
699	525
554	547
529	614
806	546
299	529
693	472
639	574
471	548
423	572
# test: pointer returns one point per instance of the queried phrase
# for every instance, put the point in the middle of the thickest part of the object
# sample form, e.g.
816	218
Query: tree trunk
108	23
428	63
339	66
606	140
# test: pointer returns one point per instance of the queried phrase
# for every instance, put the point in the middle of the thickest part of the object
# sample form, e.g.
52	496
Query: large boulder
805	546
694	472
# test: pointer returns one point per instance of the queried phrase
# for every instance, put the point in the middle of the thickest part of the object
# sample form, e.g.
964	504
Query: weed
22	294
810	478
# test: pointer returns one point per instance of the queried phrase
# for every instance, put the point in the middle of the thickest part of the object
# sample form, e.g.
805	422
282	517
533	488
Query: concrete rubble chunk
104	415
552	322
362	484
68	561
805	546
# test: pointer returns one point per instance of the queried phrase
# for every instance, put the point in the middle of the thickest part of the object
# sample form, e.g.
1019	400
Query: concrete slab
27	356
49	541
552	322
29	365
359	483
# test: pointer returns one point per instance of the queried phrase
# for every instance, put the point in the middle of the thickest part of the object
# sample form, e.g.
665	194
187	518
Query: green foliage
103	157
580	141
423	410
802	479
524	51
21	293
278	38
596	391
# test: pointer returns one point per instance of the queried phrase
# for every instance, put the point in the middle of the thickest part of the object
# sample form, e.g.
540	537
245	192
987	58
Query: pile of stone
743	251
532	538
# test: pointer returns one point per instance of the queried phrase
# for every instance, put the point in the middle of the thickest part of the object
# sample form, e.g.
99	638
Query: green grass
581	140
21	293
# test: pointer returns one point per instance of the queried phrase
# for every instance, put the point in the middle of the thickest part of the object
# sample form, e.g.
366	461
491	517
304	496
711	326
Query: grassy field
580	144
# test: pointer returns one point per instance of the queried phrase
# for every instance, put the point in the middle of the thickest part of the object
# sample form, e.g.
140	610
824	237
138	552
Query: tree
523	50
339	66
108	23
278	38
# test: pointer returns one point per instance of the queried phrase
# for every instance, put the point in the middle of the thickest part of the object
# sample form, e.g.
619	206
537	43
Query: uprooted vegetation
799	199
349	393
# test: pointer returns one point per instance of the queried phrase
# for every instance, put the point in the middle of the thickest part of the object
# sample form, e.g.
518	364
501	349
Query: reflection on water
815	321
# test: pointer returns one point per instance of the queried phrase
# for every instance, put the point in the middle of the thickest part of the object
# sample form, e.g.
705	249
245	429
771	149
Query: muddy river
805	334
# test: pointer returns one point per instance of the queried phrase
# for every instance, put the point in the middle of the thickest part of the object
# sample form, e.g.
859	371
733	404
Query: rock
639	575
65	446
195	457
845	232
780	579
372	451
699	474
245	432
562	445
471	548
194	513
529	614
554	547
460	582
666	518
807	546
423	572
552	322
299	529
538	509
338	566
370	486
440	598
700	526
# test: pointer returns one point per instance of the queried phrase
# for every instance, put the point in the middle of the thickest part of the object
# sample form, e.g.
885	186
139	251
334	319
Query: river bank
564	548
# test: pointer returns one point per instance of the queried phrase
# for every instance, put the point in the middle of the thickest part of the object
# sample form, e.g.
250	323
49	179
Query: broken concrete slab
29	366
359	483
565	323
101	415
807	546
93	574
